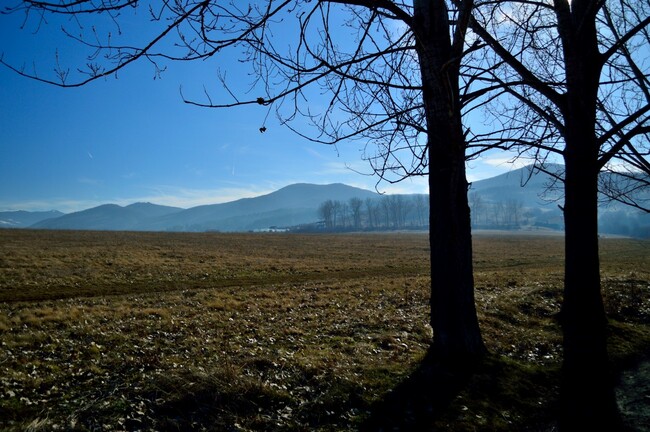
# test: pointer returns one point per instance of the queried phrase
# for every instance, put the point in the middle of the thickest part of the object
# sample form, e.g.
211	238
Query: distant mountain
518	198
24	219
532	189
292	205
515	200
109	217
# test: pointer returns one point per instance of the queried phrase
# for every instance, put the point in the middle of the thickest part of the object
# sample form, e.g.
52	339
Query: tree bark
453	312
587	395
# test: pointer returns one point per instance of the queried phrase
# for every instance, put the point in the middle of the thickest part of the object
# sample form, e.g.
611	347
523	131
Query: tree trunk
587	395
453	313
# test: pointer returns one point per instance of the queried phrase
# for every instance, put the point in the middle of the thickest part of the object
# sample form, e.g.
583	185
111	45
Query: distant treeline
511	214
411	212
385	213
394	212
625	222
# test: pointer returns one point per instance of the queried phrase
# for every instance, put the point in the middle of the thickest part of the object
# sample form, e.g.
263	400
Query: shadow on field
223	402
422	398
215	403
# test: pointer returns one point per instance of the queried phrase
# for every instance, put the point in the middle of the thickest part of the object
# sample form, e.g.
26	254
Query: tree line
510	214
389	212
396	212
411	212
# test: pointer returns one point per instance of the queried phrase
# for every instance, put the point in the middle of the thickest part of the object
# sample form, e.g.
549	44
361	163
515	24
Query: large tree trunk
453	313
587	395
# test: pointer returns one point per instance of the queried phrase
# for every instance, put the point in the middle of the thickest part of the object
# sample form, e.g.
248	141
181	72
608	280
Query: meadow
239	332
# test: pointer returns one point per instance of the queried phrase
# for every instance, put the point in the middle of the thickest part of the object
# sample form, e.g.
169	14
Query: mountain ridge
24	219
506	201
294	204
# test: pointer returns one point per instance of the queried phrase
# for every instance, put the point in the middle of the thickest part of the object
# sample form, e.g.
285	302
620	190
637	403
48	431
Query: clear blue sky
129	139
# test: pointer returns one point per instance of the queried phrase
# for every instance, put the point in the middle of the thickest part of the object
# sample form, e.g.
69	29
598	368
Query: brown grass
114	331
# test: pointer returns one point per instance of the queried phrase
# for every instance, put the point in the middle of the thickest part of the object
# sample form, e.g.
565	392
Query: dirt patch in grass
154	331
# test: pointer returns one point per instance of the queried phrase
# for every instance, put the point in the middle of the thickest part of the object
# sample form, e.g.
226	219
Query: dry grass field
236	332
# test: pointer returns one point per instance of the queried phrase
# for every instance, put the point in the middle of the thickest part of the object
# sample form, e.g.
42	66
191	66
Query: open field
166	331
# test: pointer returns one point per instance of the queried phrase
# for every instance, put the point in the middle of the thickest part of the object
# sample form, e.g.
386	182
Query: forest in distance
506	202
215	331
395	212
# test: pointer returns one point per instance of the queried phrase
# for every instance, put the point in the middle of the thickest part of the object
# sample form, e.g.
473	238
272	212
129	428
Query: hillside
514	200
109	217
292	205
534	190
24	219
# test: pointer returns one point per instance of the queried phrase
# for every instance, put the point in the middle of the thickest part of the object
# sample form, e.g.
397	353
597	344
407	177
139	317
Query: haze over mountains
292	205
499	202
24	219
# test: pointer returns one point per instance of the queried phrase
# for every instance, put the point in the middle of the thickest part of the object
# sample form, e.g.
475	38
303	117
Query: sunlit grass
273	332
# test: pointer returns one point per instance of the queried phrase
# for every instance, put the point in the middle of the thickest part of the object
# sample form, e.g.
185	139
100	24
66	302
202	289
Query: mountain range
298	204
24	219
292	205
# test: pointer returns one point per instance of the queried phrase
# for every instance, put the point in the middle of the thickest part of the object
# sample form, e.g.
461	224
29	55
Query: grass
115	331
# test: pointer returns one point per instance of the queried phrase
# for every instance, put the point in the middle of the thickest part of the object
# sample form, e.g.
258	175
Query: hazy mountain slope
24	219
508	201
539	200
531	190
149	210
109	217
260	221
291	205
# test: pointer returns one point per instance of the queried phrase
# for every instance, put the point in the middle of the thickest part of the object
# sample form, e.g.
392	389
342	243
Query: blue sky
131	138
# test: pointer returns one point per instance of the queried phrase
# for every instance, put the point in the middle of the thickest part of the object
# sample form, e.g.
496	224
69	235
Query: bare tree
326	214
575	86
420	208
513	209
355	205
371	211
394	210
390	69
498	211
337	216
345	214
385	211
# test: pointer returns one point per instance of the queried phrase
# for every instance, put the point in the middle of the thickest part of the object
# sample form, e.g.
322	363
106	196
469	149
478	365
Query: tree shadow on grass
220	403
233	400
198	401
422	399
490	393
